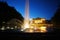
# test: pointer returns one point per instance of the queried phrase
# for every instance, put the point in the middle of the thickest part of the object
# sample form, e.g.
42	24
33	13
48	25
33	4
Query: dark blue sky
38	8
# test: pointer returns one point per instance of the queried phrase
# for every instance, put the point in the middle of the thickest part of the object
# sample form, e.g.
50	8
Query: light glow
8	27
26	25
12	28
26	19
30	19
43	29
3	28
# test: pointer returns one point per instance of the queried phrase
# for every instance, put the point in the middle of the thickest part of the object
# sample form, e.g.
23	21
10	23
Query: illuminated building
39	24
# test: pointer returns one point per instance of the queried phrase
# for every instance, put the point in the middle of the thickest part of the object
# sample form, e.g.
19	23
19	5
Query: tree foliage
56	18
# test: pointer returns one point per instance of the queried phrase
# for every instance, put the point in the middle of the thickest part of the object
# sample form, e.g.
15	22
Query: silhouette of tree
8	13
56	18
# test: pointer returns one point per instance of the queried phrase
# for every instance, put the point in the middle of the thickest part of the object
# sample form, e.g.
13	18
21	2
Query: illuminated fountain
26	19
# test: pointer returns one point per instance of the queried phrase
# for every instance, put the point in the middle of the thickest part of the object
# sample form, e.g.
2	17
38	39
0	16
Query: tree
56	18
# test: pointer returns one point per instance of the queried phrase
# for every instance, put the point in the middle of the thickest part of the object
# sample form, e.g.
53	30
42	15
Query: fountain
26	18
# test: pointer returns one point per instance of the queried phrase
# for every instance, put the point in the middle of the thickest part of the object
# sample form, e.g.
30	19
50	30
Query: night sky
37	8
